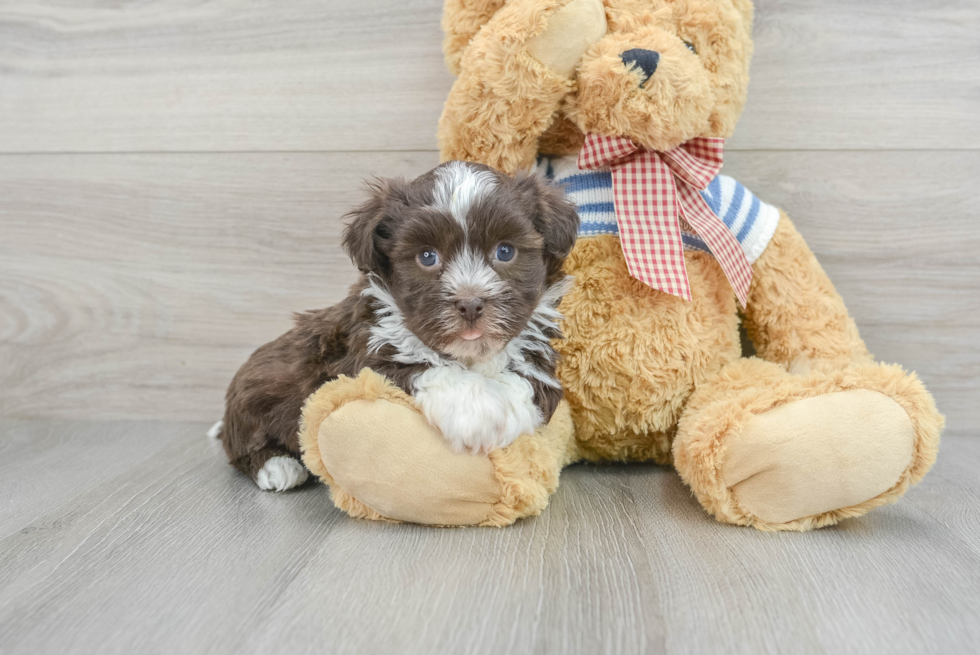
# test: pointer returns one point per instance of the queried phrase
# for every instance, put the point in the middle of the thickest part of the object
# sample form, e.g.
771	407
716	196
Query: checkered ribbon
652	192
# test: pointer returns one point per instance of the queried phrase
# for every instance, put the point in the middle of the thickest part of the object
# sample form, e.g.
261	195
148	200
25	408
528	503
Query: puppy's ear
369	232
554	216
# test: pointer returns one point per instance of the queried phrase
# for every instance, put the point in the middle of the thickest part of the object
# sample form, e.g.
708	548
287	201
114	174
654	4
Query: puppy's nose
645	60
471	308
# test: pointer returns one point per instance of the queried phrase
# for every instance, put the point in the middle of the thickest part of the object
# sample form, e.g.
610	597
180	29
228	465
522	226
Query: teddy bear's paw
762	447
822	454
368	440
384	460
570	32
281	474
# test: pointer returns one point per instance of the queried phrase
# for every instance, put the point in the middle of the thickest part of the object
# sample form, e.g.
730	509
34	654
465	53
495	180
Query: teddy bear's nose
645	60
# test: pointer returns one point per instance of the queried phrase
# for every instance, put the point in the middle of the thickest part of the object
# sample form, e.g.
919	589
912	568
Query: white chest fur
480	408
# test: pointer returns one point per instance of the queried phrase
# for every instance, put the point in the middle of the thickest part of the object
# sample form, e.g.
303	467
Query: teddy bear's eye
690	46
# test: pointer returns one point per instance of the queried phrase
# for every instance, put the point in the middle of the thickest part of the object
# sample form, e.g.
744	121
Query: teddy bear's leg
761	446
366	440
514	74
817	433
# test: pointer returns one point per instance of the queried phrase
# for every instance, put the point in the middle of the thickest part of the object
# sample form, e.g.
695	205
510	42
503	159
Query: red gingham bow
652	191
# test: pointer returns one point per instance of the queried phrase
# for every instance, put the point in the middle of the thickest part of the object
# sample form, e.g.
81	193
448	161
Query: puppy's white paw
476	412
281	473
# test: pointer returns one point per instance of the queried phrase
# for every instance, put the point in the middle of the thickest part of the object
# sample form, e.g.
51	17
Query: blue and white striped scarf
752	221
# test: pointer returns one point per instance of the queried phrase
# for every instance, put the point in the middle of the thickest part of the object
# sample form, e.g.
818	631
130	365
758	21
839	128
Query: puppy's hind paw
280	474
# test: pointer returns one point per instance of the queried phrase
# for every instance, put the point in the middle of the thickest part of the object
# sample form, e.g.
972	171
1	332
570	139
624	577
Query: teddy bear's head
665	72
659	71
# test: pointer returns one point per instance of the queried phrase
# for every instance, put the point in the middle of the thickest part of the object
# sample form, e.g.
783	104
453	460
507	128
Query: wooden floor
136	537
172	176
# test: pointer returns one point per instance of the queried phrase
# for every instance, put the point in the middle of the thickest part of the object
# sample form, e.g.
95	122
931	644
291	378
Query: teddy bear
626	104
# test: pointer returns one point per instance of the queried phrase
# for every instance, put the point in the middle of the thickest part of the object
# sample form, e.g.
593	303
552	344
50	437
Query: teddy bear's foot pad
366	439
390	459
818	454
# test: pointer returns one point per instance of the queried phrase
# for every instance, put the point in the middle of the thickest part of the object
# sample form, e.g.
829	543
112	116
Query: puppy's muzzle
470	308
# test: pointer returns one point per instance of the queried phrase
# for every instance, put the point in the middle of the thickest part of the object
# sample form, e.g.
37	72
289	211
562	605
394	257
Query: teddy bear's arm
505	97
794	314
461	20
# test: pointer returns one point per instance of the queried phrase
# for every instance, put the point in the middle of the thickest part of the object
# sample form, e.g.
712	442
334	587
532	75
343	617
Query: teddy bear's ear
553	215
745	8
369	234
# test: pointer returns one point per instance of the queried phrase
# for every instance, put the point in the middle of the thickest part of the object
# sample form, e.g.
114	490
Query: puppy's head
465	252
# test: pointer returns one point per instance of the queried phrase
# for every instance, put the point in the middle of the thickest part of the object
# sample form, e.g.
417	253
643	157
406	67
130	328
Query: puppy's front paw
476	413
475	430
281	473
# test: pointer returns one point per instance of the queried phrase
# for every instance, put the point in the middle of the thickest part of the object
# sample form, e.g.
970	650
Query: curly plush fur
810	432
648	375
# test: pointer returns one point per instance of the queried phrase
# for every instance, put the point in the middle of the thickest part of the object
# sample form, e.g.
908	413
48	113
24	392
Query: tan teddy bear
626	103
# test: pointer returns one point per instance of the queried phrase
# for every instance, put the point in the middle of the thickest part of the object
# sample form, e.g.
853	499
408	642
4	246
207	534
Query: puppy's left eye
505	253
428	258
690	46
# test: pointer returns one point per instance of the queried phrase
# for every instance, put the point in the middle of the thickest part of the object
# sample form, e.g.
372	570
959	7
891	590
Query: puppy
461	276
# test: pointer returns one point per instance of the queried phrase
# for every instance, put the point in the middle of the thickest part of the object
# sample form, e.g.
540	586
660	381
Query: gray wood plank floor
160	547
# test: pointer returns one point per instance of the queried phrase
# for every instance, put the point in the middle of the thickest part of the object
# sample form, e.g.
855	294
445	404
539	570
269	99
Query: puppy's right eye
428	258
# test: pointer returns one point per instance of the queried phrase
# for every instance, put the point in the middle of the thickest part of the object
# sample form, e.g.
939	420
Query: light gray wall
172	177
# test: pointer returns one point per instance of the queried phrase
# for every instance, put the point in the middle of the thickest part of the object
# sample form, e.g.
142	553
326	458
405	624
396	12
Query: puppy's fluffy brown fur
461	251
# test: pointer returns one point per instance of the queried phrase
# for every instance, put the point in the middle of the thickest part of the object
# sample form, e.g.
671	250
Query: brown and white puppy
461	277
